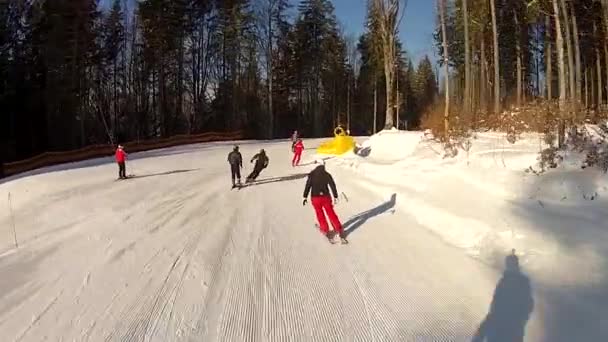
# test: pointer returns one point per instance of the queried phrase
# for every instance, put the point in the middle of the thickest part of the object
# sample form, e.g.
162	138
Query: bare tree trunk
467	58
592	93
586	88
348	103
559	43
577	51
387	13
483	99
549	62
375	102
269	58
519	59
605	17
398	99
568	38
598	64
496	59
446	58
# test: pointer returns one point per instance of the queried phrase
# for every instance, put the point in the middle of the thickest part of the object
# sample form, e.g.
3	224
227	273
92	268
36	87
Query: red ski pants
323	205
296	157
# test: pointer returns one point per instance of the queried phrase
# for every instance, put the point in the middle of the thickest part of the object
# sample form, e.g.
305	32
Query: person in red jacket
121	157
297	152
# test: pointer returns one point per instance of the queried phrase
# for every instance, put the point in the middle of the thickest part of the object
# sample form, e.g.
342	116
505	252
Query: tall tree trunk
586	88
559	43
269	57
538	61
115	96
549	61
568	38
519	59
577	52
446	58
483	98
592	93
375	101
496	59
605	41
388	12
598	64
397	98
348	102
467	58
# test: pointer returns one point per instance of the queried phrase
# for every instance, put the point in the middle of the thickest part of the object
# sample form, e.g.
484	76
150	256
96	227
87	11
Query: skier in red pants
297	152
319	180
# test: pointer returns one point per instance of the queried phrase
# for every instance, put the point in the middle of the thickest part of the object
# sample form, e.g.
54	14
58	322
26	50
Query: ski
333	235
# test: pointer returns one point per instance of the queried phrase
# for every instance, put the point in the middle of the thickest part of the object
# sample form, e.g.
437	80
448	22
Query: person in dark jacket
318	184
236	163
261	162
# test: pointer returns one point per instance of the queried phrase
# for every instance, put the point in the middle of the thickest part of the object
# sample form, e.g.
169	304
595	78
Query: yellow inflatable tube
340	144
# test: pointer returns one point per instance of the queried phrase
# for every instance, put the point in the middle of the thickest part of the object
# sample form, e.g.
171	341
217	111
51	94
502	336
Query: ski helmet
236	148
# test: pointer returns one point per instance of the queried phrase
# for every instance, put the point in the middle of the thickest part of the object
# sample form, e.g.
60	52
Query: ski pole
10	208
344	195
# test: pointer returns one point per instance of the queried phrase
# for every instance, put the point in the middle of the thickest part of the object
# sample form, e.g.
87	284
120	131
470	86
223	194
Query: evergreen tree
425	86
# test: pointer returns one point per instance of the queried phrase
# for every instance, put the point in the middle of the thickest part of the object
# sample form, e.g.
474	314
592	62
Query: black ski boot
330	236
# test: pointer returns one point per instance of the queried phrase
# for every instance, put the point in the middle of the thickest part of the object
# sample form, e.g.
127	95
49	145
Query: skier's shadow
511	307
314	161
172	172
275	180
358	220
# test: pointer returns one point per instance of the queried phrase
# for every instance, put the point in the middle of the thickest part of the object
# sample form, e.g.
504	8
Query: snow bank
391	145
484	202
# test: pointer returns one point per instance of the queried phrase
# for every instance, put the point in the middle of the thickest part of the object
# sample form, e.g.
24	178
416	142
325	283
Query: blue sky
416	29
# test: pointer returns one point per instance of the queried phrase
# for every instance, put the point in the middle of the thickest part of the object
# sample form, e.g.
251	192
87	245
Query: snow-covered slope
174	255
484	202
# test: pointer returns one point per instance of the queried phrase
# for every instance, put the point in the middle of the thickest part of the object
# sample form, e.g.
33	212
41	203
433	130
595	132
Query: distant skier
236	163
121	157
297	152
261	162
318	183
294	138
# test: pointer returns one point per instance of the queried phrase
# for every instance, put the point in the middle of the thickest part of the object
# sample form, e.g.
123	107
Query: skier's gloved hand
304	201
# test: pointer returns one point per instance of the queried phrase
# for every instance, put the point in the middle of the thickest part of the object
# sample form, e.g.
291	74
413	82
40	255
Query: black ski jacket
261	161
235	158
318	183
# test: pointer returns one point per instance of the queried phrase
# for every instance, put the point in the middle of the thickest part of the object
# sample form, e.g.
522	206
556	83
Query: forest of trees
80	72
516	55
76	72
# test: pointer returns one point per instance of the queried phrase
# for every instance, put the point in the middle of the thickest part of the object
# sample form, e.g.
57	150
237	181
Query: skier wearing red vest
298	147
121	157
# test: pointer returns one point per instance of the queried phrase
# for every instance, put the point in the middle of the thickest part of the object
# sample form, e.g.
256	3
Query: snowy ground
174	255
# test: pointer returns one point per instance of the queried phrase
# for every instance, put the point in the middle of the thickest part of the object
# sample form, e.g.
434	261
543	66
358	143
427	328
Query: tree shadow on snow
511	306
358	220
275	180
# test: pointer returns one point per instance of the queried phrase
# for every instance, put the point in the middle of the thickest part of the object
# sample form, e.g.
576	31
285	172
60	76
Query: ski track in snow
183	258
